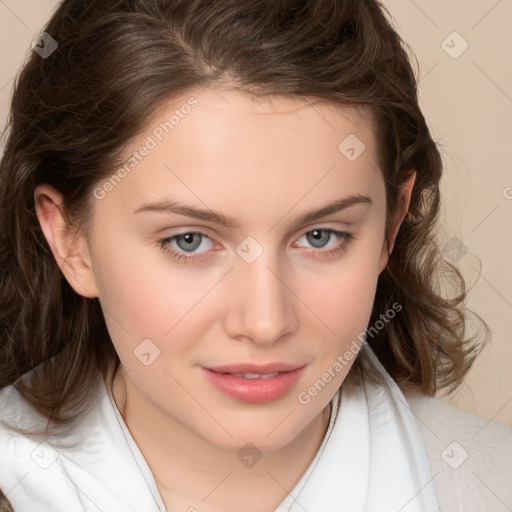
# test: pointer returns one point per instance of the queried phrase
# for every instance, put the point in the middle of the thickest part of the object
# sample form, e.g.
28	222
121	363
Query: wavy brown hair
73	112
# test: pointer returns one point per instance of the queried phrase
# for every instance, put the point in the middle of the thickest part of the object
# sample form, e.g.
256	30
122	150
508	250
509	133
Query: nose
261	307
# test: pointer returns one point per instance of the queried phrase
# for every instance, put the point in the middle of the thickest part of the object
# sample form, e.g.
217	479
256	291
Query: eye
319	236
188	242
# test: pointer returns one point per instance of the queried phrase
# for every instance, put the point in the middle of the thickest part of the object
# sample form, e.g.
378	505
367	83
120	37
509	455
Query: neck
189	470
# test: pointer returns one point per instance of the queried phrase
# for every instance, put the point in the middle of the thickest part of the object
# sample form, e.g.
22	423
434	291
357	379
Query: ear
70	248
400	213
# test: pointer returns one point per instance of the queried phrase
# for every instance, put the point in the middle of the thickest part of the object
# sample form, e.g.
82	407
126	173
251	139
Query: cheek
345	306
137	300
343	300
146	296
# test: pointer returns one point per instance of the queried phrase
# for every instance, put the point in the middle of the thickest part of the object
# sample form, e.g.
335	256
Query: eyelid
205	231
210	233
344	239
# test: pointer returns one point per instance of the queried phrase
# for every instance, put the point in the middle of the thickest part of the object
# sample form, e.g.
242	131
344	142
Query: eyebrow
219	218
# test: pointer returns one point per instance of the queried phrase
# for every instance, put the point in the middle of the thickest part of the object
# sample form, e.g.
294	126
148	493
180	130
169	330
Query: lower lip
254	390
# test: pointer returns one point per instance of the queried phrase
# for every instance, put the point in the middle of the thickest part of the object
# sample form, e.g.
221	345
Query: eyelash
180	257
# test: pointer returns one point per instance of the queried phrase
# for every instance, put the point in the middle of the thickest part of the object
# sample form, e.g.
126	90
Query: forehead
219	113
217	147
229	121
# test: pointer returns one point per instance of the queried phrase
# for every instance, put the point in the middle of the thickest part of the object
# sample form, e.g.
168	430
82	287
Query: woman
273	364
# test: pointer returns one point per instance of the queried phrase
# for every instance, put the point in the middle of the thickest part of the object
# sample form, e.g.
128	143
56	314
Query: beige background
467	100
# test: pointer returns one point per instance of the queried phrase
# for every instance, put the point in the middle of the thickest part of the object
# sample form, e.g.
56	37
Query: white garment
470	456
372	459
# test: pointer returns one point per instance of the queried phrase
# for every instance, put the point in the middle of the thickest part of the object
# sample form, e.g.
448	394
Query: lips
259	369
255	383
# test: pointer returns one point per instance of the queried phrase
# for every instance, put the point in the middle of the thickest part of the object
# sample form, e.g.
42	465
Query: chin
272	433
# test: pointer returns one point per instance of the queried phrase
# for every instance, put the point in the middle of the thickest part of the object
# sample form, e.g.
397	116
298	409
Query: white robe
373	458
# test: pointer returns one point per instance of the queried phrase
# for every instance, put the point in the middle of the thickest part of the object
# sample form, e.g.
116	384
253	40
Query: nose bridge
263	308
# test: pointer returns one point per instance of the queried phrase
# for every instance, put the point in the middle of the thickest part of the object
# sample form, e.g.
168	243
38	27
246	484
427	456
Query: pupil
186	241
319	234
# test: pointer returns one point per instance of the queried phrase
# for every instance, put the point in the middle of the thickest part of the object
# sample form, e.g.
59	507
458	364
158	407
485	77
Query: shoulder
31	464
24	452
470	456
16	413
92	458
22	456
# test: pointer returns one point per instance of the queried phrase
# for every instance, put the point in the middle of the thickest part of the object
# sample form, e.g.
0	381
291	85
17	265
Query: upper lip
260	369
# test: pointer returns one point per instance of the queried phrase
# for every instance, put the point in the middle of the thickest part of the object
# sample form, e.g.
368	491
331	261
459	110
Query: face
188	298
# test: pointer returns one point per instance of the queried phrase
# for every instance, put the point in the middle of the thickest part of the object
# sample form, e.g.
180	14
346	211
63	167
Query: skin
264	162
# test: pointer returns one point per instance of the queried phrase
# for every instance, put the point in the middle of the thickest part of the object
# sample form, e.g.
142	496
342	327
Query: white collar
372	459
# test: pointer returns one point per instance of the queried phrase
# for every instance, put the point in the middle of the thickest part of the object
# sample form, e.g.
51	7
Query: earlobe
400	213
69	248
